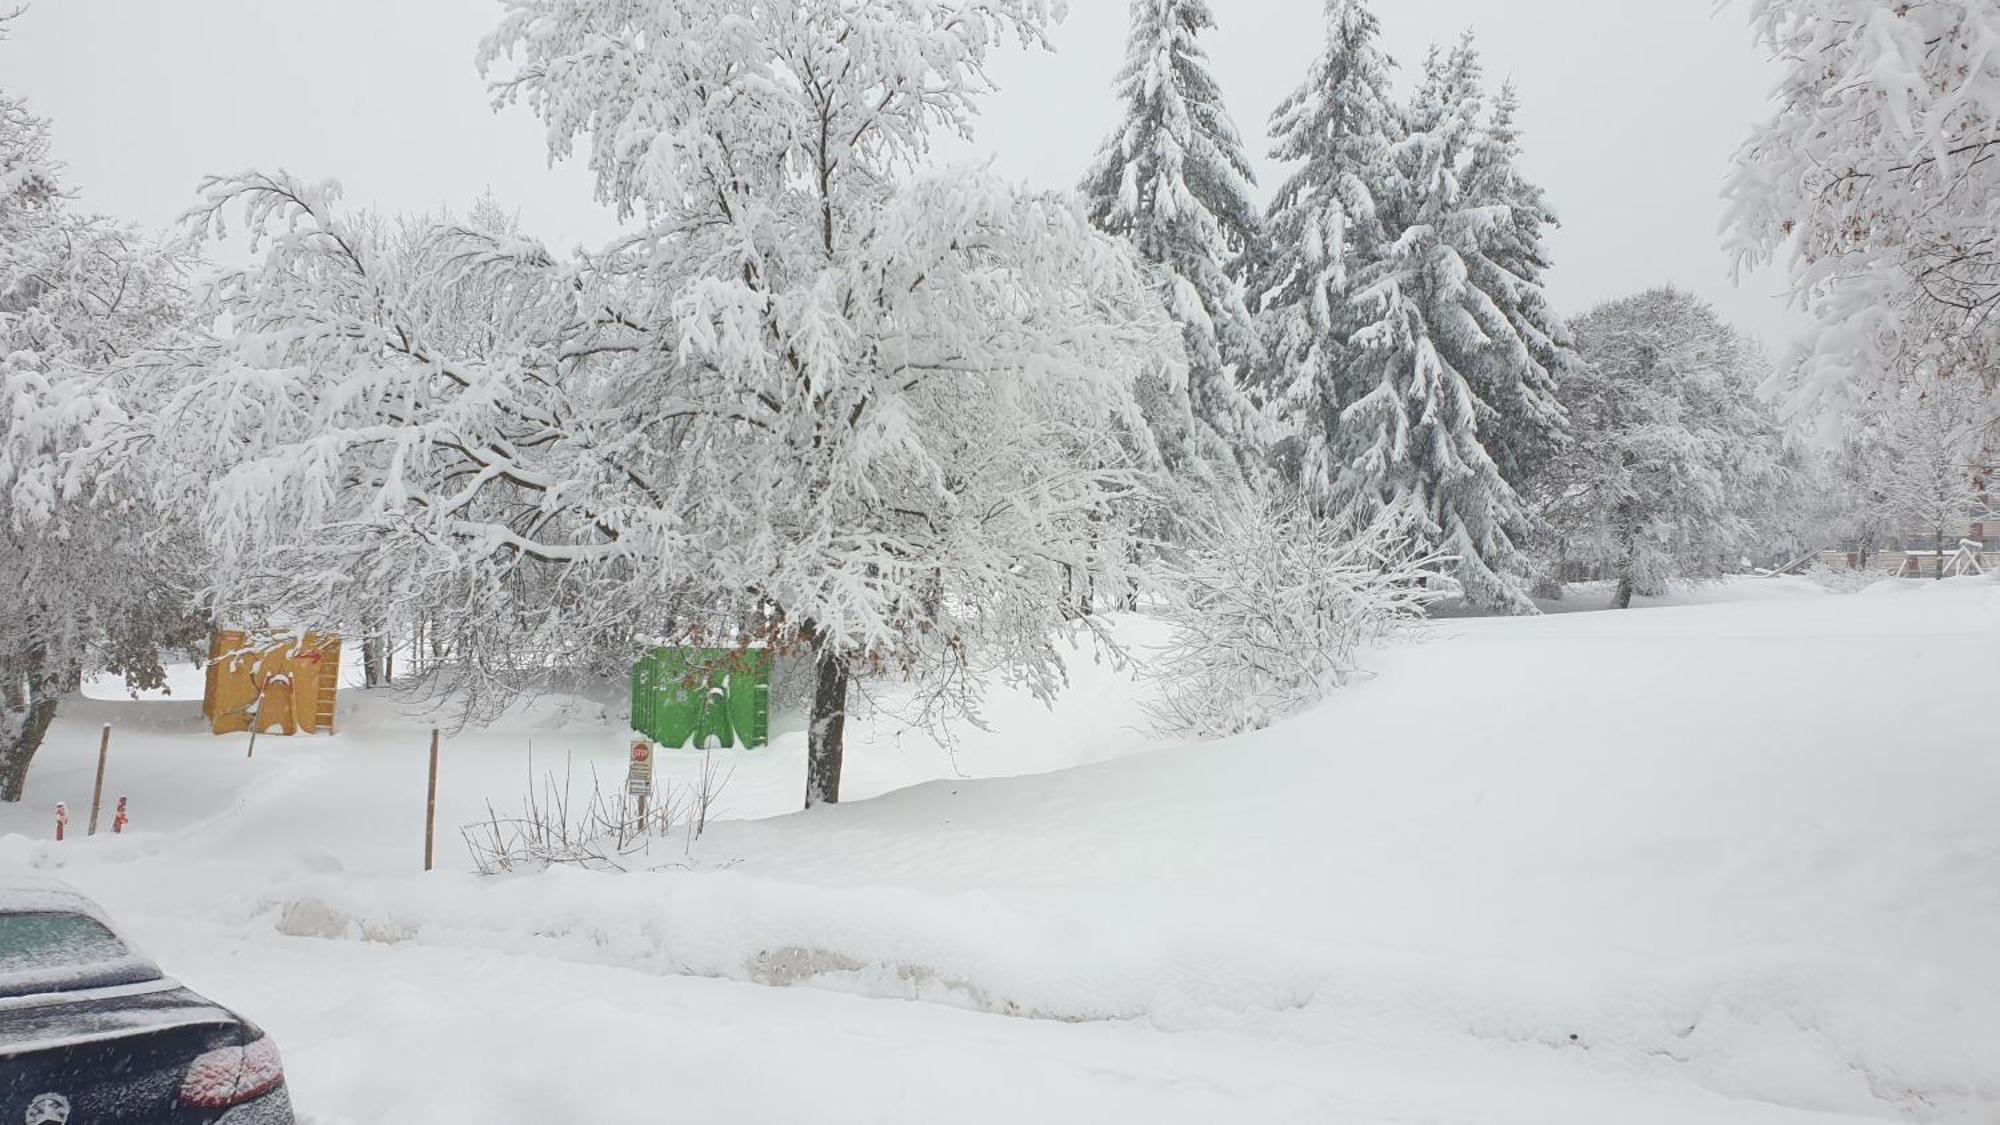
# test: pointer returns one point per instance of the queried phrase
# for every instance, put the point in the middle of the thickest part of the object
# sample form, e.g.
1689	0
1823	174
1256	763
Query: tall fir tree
1520	376
1338	128
1174	181
1408	445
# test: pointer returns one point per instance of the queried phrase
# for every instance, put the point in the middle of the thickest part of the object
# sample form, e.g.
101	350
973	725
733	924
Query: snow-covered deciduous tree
1271	608
1931	458
1877	183
1675	467
1173	181
816	399
1844	508
1411	440
98	575
1337	129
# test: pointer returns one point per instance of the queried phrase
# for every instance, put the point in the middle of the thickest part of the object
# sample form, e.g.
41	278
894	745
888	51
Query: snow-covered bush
1271	608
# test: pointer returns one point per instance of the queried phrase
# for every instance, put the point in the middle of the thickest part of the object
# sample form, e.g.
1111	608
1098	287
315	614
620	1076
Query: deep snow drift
1727	862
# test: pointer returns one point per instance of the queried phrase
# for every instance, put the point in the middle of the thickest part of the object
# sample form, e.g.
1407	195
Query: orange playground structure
286	683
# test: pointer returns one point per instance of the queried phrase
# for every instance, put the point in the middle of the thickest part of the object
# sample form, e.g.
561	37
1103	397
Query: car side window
54	940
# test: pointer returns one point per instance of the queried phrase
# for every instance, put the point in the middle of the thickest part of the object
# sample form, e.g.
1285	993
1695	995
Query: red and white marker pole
62	820
119	821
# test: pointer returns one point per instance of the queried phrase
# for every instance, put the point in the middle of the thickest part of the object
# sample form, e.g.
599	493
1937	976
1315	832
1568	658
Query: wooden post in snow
97	791
256	716
431	808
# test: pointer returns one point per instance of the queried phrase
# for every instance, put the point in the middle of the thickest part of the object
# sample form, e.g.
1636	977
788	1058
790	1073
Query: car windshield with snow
92	1032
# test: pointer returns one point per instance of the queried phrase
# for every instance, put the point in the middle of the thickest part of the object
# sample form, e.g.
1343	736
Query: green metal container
698	697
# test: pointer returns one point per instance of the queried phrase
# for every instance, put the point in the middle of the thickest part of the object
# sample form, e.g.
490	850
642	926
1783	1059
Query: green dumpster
702	697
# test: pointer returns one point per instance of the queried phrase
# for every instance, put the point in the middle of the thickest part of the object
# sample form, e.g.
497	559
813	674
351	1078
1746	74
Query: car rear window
41	942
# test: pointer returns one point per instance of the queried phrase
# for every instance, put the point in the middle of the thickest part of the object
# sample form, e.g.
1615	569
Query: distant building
1971	546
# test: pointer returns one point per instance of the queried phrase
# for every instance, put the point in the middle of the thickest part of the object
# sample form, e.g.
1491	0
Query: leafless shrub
608	829
1271	609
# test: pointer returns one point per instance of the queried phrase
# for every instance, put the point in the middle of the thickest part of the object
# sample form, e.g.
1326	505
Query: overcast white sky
1632	109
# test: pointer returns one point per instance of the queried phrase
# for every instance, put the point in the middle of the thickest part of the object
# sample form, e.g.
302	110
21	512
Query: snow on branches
1676	469
1414	355
1877	183
97	571
1173	180
816	398
1271	608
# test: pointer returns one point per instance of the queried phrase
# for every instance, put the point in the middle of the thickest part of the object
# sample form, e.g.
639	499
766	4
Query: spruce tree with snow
98	572
1518	375
1173	181
1410	443
817	398
1338	129
1873	185
1676	469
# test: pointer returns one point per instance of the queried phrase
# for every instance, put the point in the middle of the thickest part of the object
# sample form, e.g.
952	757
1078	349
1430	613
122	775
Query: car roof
22	893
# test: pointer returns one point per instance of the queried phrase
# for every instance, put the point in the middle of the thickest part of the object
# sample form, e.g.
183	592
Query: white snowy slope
1726	862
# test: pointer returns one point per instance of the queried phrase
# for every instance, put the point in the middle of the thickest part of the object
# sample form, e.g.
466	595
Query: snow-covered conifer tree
97	572
1517	375
815	399
1409	441
1173	180
1874	183
1675	467
1337	128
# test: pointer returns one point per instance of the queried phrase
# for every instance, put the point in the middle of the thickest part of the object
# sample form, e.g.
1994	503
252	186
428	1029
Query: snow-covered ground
1732	861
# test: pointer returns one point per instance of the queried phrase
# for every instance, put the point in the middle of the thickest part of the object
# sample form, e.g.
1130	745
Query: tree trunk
27	707
1623	598
372	655
1628	531
826	740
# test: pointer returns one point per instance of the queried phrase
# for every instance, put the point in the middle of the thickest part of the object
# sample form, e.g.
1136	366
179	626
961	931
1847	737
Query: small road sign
639	772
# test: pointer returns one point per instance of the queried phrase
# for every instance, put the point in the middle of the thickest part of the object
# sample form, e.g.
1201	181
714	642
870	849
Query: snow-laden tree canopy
97	574
1877	186
816	398
1931	464
1174	181
1676	468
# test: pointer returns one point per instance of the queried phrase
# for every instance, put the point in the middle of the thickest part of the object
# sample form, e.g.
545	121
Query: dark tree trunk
27	707
1623	598
826	740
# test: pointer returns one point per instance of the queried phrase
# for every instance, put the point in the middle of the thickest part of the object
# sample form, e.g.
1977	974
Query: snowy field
1729	861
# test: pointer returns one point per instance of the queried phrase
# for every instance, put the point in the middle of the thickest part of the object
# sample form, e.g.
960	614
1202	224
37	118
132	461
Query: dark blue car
92	1033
